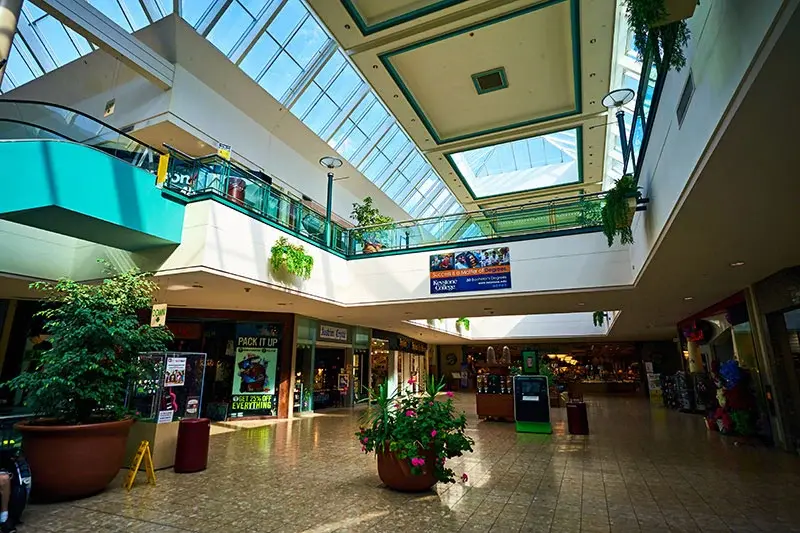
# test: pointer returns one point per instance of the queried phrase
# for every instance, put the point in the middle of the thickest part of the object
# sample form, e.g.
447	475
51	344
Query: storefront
330	365
776	301
248	364
406	362
721	378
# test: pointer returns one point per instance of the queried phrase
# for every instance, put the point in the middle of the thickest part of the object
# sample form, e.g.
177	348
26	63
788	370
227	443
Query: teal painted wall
82	192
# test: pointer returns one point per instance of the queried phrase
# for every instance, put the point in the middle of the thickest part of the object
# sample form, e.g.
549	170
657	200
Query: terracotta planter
70	462
631	211
677	10
396	473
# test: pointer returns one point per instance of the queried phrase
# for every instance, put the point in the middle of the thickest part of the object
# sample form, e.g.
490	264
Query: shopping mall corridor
641	469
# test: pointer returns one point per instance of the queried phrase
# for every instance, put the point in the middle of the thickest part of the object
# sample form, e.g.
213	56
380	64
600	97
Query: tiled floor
641	469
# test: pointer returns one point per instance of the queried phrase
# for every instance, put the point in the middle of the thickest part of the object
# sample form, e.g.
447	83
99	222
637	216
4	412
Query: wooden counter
498	406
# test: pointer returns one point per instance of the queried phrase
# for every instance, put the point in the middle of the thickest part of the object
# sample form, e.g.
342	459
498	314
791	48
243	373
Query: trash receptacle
236	190
577	418
191	453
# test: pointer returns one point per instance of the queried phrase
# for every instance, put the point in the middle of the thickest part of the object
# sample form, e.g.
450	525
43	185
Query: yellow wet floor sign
143	453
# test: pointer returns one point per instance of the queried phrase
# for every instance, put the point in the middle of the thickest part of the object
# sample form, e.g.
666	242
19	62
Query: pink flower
431	404
411	381
365	440
449	394
433	433
464	477
397	405
364	449
417	461
411	412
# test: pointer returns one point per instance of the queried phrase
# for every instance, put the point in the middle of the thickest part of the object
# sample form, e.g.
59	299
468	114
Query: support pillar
9	17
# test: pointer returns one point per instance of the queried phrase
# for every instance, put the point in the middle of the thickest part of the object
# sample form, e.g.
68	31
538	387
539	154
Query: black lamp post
616	99
330	163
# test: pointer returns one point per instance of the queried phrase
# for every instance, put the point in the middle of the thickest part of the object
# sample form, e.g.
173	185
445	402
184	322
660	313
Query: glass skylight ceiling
524	165
626	72
280	45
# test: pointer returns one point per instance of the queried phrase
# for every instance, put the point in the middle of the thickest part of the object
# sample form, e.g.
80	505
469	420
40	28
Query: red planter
396	473
71	462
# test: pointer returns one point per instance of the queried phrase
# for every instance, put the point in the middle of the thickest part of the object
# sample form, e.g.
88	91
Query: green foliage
592	212
96	338
292	257
616	213
462	323
546	371
643	18
410	425
598	317
367	215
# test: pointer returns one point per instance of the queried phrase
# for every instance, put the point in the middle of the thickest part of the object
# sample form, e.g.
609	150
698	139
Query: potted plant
290	258
462	324
598	318
664	21
618	209
375	224
413	436
76	443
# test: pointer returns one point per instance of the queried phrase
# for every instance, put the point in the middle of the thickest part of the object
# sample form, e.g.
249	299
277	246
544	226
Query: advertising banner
254	387
482	269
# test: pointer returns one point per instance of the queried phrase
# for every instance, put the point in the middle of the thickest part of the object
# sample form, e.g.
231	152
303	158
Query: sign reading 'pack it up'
332	333
485	269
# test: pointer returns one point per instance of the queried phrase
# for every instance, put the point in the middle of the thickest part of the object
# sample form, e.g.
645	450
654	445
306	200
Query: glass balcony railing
198	178
23	119
212	175
562	215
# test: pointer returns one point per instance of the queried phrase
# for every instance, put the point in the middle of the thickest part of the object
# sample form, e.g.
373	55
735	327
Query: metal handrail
81	113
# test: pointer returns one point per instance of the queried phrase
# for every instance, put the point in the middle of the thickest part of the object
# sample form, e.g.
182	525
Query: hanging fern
291	257
463	323
644	18
598	318
616	214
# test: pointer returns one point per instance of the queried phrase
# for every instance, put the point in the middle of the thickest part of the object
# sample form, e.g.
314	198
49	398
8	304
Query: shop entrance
332	387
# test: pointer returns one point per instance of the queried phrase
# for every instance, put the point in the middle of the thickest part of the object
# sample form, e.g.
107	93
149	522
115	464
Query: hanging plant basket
289	258
676	10
619	208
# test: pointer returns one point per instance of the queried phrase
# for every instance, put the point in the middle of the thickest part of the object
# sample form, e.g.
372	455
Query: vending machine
532	404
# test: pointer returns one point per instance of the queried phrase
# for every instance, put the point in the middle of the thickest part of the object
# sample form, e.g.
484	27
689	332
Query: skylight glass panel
260	55
307	42
193	10
288	19
234	23
524	165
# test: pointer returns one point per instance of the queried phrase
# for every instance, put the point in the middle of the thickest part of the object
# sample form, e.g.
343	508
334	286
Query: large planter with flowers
413	437
397	474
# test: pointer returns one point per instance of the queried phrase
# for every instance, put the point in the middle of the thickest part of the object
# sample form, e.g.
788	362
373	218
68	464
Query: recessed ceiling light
737	264
688	298
581	304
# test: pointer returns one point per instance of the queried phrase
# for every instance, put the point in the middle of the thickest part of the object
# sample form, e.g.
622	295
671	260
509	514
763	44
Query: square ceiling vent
490	80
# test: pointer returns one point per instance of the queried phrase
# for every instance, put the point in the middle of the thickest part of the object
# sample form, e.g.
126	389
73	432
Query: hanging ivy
617	214
462	323
645	18
292	258
598	318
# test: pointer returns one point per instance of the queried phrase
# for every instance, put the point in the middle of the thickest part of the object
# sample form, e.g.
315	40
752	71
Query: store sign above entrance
332	333
482	269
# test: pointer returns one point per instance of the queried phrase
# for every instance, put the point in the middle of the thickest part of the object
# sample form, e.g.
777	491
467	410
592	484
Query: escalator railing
25	119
